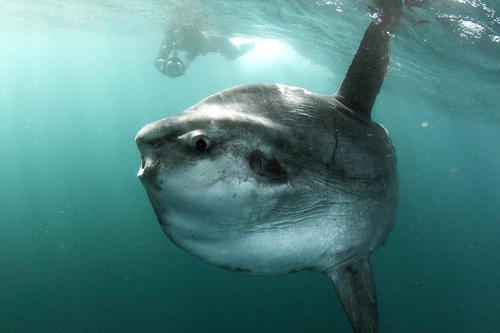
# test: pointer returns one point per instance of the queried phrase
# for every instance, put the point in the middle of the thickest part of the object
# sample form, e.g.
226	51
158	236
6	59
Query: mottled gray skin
268	179
328	197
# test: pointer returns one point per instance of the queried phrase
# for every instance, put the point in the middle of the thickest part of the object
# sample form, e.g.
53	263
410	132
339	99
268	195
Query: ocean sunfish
268	179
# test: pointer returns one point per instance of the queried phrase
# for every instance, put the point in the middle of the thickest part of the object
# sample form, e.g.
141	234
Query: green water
80	248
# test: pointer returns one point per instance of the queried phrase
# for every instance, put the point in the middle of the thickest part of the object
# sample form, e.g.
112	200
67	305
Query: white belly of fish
271	248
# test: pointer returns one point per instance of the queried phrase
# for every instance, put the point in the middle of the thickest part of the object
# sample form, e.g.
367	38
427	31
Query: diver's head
172	67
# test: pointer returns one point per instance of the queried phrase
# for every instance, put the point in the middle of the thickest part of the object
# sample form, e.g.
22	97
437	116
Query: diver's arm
165	50
368	69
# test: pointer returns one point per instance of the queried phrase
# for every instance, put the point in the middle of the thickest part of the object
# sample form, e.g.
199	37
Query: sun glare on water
265	49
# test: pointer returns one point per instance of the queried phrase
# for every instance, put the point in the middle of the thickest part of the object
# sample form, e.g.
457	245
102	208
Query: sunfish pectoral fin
355	286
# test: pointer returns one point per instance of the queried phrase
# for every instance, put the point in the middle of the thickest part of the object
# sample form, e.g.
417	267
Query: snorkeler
194	42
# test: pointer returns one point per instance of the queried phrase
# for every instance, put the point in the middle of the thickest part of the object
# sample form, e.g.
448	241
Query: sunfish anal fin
355	286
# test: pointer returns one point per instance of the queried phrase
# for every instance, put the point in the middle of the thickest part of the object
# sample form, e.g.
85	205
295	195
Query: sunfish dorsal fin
365	76
355	286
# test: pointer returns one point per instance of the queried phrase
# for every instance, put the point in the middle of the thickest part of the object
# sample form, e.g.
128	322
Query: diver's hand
172	67
160	64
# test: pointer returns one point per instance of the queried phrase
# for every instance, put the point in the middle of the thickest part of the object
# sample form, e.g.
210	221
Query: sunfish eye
201	143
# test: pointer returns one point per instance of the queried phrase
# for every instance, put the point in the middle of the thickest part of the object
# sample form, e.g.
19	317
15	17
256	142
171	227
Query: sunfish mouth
148	173
141	169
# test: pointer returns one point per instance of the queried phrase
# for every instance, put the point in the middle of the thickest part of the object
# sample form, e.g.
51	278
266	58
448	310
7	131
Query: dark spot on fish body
308	268
242	270
268	168
237	269
255	161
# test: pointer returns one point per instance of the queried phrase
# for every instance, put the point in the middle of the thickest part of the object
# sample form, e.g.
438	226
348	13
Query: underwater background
80	248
